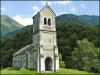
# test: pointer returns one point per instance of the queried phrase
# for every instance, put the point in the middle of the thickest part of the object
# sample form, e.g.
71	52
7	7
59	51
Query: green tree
61	62
84	56
6	60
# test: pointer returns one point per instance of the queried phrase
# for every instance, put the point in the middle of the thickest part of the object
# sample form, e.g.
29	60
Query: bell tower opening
49	21
45	21
48	64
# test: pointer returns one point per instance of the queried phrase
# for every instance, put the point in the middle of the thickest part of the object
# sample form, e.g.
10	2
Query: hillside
12	34
78	20
62	19
8	25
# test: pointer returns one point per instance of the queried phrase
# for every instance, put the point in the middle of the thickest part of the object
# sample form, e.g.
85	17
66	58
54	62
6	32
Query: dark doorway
48	64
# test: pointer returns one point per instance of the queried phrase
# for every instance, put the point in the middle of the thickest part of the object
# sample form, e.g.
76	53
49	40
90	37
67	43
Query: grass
62	71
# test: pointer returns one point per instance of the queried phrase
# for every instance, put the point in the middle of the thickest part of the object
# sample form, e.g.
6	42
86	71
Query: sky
23	11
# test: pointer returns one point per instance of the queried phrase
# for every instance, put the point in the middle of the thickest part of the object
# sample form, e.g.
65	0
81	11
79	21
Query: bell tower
45	51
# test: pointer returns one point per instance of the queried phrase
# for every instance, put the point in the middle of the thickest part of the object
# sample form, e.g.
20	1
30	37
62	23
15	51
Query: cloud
64	12
73	9
35	8
83	5
23	21
44	2
2	8
63	2
27	20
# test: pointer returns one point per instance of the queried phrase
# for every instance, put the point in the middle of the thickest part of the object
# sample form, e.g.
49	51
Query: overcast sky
22	11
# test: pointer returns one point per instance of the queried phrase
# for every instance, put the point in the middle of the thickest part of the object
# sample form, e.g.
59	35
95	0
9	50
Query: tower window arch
49	21
45	21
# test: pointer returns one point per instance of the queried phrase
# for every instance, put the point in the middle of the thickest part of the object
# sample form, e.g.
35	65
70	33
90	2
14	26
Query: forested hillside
79	46
73	41
12	34
78	19
8	25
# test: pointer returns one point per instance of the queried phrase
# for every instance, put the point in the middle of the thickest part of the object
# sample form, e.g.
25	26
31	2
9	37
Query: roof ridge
22	49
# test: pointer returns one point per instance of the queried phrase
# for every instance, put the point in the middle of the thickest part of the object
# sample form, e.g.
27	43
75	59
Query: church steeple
45	51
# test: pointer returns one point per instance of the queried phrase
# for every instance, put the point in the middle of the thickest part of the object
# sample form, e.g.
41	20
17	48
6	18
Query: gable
48	10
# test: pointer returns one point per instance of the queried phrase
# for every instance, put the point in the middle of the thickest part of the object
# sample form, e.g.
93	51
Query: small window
45	21
49	21
45	40
49	40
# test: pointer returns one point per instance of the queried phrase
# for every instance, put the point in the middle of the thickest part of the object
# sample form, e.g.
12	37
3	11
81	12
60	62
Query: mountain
62	19
89	20
8	25
78	20
12	34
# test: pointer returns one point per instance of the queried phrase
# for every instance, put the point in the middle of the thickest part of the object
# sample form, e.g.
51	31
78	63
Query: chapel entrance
48	64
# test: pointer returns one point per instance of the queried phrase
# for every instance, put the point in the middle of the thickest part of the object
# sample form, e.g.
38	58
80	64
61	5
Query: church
42	55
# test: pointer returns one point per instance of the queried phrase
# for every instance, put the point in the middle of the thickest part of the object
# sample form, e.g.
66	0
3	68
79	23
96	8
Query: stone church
42	54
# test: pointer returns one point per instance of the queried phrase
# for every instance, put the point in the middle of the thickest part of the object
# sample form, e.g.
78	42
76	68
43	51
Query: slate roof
24	49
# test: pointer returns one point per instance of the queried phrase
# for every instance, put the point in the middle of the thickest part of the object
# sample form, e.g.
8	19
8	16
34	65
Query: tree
61	62
84	56
7	59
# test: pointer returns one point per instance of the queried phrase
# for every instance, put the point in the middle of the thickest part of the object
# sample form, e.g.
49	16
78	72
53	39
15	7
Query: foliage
61	62
77	20
84	56
12	34
68	34
10	45
90	20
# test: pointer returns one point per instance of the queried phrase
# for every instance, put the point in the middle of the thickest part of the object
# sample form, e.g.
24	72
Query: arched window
49	21
45	21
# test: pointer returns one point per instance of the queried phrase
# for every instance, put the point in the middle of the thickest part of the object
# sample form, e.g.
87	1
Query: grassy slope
8	22
25	71
8	25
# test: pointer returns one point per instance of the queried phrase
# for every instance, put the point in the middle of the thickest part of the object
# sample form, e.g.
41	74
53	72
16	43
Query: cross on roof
46	3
